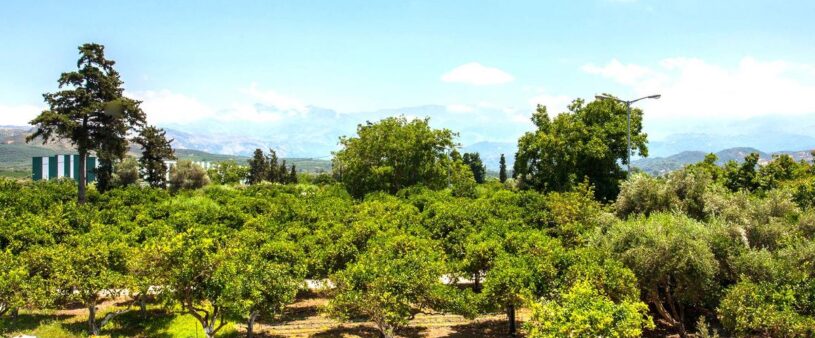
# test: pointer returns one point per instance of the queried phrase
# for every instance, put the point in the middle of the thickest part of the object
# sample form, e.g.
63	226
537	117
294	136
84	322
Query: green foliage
673	259
584	311
682	190
462	182
588	142
91	112
742	176
473	160
155	150
392	154
396	277
186	175
127	173
527	269
228	172
502	169
765	308
258	167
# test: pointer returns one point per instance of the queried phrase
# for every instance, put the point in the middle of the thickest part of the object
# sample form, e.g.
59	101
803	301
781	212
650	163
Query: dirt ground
305	319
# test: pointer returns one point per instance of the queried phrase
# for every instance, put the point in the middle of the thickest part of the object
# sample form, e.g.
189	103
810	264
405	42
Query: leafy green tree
462	181
258	168
261	276
395	278
127	172
186	175
13	278
156	148
765	309
228	172
673	259
473	160
392	154
683	190
584	311
92	113
273	172
502	169
527	269
588	141
293	175
195	270
742	176
89	265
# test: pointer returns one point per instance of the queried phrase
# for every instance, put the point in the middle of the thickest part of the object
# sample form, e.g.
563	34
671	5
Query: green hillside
15	159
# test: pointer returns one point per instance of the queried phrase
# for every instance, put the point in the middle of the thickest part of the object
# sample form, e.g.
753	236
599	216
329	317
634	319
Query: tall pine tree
90	111
273	173
156	148
258	168
473	160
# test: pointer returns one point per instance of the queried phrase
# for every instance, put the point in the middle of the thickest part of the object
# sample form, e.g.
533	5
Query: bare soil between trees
304	318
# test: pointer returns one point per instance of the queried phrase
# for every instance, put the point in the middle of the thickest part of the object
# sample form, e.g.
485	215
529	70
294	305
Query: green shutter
91	168
76	167
36	168
52	167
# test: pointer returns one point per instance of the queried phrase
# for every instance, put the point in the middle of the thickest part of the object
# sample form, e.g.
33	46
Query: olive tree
673	259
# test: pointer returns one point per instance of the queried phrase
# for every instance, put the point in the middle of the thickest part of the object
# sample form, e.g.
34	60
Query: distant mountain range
15	154
663	165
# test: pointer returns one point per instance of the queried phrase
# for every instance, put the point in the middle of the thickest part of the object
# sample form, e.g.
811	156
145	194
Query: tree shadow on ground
364	331
297	313
134	323
485	329
360	331
26	322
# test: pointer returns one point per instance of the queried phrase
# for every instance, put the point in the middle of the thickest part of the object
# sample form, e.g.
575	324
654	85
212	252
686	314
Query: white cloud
18	115
474	73
275	99
164	106
696	89
250	112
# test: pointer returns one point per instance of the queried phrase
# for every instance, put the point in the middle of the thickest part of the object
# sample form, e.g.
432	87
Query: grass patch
156	322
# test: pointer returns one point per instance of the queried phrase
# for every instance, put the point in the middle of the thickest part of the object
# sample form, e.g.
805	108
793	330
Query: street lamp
628	109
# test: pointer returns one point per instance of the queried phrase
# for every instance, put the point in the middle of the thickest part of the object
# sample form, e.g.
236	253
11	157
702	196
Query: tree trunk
385	331
477	282
15	312
143	304
511	319
92	328
250	324
83	177
209	332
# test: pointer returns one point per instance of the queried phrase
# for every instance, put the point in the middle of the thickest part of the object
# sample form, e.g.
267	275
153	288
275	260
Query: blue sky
268	62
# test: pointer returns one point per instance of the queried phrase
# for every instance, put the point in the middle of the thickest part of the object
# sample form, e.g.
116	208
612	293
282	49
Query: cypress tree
258	168
502	171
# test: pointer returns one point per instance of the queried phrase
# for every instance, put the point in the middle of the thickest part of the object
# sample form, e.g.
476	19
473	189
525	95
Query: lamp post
628	111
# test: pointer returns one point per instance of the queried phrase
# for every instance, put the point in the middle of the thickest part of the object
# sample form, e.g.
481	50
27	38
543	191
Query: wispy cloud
694	88
474	73
165	106
18	115
275	99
